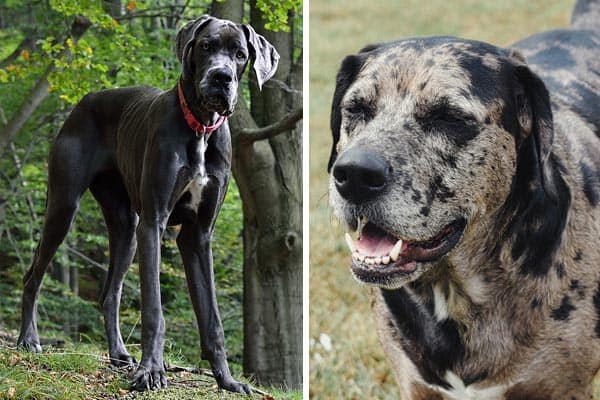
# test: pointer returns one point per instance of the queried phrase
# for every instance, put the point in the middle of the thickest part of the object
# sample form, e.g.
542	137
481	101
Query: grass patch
82	371
70	373
346	360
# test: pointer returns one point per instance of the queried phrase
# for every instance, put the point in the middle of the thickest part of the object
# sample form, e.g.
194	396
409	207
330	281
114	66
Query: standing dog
476	197
150	160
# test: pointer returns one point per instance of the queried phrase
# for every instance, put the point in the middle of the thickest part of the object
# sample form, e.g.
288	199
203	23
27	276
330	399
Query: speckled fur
522	287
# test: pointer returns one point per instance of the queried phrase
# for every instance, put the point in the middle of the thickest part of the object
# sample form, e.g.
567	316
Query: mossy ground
82	371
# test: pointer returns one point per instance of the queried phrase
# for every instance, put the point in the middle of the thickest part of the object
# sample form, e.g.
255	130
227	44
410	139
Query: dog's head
429	137
214	54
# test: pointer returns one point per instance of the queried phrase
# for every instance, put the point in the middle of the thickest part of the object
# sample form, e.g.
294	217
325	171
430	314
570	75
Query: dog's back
568	61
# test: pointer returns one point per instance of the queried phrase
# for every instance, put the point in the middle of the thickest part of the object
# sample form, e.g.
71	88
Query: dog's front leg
151	371
194	244
160	181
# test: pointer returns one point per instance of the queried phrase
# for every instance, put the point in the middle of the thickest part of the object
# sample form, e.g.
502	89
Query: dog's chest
191	196
423	318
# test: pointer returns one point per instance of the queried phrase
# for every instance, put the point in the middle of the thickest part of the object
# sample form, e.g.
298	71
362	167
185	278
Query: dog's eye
241	55
452	119
448	116
444	114
205	46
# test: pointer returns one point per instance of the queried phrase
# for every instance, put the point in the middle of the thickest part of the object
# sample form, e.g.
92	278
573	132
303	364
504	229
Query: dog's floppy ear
348	72
265	57
185	42
534	116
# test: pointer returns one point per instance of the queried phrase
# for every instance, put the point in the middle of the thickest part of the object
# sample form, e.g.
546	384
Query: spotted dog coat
493	156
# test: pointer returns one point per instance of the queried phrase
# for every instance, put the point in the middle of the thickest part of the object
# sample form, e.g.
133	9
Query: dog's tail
586	15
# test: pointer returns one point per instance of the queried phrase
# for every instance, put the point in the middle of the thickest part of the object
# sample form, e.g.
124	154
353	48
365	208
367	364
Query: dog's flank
483	162
149	159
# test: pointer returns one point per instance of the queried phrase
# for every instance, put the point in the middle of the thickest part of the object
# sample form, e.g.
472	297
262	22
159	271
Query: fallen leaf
123	392
25	54
131	5
14	359
267	397
11	392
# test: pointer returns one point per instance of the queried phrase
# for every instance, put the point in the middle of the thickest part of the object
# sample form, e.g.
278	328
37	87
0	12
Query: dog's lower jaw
392	281
210	99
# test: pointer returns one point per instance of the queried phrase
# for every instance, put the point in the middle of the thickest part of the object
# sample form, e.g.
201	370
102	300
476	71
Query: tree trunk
116	8
269	177
26	44
30	104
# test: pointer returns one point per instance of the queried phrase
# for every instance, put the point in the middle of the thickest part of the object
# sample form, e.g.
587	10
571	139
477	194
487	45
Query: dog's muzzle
361	174
219	90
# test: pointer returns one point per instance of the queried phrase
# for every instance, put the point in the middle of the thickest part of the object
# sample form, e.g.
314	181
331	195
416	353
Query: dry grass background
346	361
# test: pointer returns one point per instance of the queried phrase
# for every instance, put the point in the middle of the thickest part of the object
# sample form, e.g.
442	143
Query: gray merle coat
472	175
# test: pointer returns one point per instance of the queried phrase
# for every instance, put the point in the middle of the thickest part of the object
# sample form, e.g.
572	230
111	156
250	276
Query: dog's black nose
360	174
221	76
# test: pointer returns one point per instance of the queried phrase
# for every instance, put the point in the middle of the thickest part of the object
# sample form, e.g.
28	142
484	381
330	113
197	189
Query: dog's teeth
362	221
355	254
369	260
385	259
377	260
361	257
359	226
396	250
350	242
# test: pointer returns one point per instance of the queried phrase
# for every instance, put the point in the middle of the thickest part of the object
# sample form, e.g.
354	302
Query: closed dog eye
458	126
361	108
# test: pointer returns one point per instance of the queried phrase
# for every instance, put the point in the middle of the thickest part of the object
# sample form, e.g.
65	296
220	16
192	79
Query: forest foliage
127	43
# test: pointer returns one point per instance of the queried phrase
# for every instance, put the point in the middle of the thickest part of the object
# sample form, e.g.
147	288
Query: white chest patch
194	188
440	303
459	391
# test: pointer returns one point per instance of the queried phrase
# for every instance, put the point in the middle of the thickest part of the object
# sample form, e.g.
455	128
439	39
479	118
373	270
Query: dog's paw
232	385
28	344
123	360
149	377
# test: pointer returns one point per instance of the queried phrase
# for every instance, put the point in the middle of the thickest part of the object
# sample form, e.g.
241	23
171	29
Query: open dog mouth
378	256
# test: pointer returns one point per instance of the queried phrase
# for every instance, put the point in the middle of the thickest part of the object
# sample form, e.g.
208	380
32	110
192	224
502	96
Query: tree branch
26	44
38	93
145	15
99	266
249	135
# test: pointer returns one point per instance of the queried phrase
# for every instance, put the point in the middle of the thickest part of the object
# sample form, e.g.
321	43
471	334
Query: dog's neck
204	116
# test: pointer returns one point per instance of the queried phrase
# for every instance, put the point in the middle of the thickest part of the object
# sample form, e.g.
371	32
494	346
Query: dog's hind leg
68	178
121	221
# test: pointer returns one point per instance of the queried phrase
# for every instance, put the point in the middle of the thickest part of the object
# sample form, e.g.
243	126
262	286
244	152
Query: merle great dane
472	175
151	159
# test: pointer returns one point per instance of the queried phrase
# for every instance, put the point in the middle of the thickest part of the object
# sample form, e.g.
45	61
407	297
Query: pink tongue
375	245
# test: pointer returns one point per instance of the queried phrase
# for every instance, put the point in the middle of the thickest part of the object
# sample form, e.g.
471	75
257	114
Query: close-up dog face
214	53
218	78
415	166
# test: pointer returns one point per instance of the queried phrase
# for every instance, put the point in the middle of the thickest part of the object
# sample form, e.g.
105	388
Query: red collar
192	122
